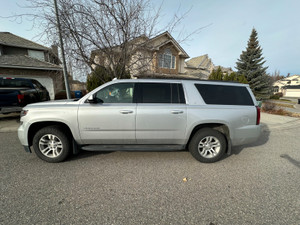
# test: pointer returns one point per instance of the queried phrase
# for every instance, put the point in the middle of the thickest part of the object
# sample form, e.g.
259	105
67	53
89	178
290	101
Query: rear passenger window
161	93
224	95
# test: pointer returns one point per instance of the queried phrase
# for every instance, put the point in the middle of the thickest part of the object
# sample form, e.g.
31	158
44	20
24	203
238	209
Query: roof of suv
148	80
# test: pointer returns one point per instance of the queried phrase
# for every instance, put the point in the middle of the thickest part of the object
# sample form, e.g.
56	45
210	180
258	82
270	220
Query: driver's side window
116	93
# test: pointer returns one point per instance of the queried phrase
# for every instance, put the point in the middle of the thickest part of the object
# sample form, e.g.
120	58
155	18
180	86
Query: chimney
54	49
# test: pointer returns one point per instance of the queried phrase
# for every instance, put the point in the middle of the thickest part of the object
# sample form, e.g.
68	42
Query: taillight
257	115
20	98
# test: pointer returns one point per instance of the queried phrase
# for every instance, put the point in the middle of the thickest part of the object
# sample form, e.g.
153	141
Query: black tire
208	145
51	144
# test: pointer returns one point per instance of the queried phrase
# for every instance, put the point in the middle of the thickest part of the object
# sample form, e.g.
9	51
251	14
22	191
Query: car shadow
86	154
263	139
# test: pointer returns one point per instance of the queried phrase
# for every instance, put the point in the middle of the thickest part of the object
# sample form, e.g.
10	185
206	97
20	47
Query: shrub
274	97
268	106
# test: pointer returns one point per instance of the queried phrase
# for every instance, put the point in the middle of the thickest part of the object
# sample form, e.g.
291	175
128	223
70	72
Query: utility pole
62	53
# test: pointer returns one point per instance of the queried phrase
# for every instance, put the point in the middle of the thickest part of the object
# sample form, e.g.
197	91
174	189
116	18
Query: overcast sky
230	23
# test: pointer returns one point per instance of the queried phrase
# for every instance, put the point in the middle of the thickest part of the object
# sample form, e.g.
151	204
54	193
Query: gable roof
171	40
10	39
201	62
143	40
26	62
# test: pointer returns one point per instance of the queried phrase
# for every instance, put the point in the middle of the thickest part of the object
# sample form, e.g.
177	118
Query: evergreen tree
216	74
101	75
235	77
98	77
219	75
250	64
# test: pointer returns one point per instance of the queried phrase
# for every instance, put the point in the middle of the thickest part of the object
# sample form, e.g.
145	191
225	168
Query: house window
276	89
167	60
36	54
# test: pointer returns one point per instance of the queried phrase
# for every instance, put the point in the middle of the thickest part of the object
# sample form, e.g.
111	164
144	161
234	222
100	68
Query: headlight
23	113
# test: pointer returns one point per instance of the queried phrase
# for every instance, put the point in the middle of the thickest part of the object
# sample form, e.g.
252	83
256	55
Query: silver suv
205	117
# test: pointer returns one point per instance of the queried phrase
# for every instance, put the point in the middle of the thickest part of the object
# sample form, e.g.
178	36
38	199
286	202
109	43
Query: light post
62	53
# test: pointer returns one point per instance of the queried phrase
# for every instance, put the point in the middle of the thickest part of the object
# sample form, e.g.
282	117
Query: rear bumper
246	135
10	109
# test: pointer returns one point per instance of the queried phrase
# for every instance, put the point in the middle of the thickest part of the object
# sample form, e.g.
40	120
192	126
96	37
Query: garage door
292	93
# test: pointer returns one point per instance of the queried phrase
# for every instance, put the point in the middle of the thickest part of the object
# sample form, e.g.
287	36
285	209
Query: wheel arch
35	127
223	128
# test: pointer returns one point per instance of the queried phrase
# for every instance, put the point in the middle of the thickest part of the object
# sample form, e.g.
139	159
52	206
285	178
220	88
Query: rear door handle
176	111
126	111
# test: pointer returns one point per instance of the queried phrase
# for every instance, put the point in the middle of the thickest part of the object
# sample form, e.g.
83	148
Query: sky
227	25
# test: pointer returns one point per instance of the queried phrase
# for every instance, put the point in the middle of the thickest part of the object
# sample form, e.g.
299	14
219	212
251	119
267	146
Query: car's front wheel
51	144
207	145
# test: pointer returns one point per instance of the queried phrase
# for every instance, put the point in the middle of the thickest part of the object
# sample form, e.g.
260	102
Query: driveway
257	184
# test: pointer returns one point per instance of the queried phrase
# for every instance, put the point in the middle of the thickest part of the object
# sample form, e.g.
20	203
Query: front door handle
176	111
126	111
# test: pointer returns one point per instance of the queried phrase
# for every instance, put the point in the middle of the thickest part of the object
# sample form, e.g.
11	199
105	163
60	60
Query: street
257	184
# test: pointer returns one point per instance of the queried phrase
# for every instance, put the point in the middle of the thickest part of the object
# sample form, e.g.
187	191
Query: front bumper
22	135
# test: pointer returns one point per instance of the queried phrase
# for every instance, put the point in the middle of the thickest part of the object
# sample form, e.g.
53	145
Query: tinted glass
117	93
177	94
160	93
224	95
37	84
156	93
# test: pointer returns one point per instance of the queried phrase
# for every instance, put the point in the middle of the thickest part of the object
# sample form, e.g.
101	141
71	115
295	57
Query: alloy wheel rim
50	146
209	147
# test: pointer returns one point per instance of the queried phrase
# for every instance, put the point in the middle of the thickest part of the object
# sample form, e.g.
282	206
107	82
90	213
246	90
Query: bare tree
104	32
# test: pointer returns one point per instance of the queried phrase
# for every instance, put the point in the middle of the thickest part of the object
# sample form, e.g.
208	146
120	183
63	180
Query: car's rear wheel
51	144
208	145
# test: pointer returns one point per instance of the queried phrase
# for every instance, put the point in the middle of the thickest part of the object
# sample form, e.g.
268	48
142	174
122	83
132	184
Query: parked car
205	117
15	93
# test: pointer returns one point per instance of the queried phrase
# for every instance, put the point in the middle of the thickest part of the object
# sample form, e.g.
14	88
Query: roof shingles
24	61
10	39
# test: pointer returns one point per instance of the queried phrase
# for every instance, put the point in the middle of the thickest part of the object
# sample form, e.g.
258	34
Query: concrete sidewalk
275	121
11	122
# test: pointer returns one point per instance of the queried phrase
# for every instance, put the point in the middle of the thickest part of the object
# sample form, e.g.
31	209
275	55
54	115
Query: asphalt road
257	184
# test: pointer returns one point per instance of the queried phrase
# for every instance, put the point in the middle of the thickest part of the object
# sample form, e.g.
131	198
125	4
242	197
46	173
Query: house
202	66
20	57
288	86
160	56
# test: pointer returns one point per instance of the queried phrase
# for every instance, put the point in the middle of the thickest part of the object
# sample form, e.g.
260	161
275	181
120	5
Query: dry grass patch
272	108
284	105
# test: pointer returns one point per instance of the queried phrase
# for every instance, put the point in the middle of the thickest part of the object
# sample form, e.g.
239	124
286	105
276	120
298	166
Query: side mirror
93	100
